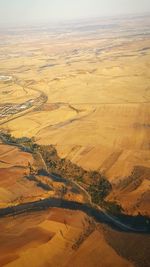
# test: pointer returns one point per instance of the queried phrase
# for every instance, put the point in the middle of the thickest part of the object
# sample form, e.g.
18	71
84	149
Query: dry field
17	187
56	237
49	238
85	88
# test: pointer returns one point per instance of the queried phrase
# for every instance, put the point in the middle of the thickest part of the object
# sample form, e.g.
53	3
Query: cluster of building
5	78
10	109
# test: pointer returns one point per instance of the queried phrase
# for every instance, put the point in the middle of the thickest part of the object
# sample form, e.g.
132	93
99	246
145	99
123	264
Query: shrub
99	190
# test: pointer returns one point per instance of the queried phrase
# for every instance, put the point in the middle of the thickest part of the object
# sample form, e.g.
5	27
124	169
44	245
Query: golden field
47	238
97	111
84	88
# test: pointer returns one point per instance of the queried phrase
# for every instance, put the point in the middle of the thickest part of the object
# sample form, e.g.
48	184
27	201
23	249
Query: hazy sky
32	11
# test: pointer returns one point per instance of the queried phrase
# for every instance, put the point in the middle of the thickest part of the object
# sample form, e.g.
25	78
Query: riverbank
126	223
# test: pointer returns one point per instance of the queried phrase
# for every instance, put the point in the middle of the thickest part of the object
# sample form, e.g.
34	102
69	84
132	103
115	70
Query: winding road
40	100
126	223
98	215
98	210
137	224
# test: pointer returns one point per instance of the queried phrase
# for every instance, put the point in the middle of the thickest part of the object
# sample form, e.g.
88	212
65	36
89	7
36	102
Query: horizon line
55	22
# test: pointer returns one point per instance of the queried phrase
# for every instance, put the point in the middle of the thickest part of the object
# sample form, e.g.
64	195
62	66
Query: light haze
41	11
